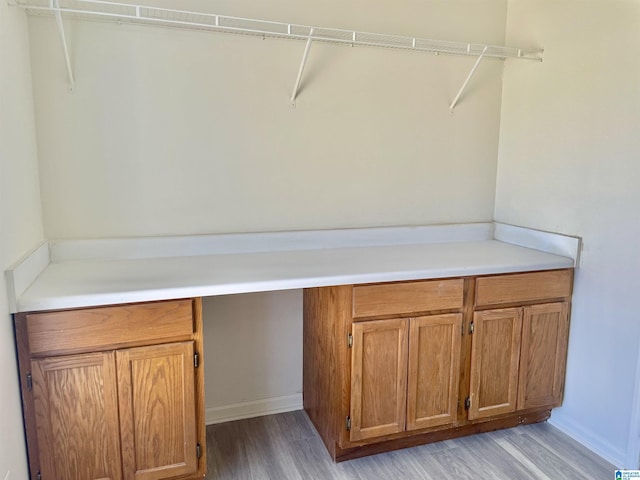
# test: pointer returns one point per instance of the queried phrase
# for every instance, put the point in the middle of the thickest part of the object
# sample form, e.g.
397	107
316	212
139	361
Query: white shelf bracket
55	5
305	55
466	82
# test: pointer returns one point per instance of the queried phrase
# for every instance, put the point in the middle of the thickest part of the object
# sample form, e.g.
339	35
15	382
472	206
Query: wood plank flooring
286	447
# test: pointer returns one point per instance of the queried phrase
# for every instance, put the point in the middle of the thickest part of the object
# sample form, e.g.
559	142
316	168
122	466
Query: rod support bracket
466	82
55	6
305	55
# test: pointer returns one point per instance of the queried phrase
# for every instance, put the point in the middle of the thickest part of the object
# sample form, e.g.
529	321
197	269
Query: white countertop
87	282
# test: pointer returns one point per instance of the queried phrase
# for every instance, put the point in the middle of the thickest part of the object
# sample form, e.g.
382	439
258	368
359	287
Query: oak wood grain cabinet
381	360
114	392
519	353
400	364
404	371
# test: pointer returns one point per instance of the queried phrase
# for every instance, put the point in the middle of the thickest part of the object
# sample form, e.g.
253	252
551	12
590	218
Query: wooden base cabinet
405	363
125	402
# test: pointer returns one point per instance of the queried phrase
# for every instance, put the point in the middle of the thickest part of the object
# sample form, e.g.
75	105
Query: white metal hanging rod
221	23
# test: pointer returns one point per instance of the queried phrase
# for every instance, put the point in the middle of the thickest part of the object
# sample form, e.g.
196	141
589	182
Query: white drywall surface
181	132
568	161
20	215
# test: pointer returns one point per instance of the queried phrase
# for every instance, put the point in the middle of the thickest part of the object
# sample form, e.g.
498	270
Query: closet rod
141	14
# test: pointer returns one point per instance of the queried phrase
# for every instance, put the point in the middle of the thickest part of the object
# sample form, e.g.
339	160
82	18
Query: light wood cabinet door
495	355
434	370
378	378
545	332
157	411
76	409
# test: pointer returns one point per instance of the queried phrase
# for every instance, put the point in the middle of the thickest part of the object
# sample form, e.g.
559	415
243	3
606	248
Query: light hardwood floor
286	447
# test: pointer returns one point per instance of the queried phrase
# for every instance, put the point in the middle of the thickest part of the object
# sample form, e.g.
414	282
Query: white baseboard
593	442
256	408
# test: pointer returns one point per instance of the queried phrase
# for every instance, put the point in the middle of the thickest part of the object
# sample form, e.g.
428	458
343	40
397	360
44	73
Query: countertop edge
33	266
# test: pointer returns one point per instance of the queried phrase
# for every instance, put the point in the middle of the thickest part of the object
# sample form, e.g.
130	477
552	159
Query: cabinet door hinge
349	339
196	360
348	422
29	381
198	451
472	328
38	476
467	403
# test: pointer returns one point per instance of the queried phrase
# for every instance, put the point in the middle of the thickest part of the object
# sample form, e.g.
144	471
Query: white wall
568	162
253	354
179	132
20	216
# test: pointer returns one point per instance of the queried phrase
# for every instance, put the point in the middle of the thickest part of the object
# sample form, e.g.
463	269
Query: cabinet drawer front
407	297
524	287
103	328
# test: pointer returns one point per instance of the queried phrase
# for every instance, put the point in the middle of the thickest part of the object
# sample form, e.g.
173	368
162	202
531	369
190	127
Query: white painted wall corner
587	438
